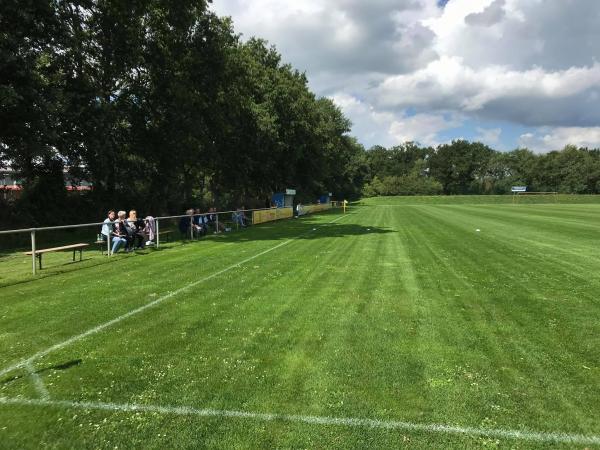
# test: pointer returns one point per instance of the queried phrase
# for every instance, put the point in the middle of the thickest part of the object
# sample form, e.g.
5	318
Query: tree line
157	103
463	167
162	106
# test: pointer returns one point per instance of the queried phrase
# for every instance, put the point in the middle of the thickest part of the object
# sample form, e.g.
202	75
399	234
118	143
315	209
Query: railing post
217	215
33	251
192	227
108	242
157	230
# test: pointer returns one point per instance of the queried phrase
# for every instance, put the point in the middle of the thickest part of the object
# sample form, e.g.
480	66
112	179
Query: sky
508	73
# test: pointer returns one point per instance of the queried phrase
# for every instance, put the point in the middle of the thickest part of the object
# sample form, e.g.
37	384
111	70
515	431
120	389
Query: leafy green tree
459	164
28	88
572	170
44	201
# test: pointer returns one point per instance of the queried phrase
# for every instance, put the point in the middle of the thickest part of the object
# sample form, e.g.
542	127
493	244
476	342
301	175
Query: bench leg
39	257
80	254
73	255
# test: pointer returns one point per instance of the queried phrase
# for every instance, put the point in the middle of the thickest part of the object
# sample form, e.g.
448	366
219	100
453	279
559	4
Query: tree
459	164
28	89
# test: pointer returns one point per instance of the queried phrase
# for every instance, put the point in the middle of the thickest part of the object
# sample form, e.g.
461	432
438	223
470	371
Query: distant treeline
161	106
464	167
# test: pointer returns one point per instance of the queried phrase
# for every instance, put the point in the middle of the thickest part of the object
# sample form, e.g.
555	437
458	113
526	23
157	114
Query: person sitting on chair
185	222
107	227
218	226
119	233
198	223
238	217
136	229
124	231
108	232
243	216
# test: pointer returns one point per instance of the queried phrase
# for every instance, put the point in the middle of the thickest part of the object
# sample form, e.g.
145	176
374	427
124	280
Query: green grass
393	313
483	199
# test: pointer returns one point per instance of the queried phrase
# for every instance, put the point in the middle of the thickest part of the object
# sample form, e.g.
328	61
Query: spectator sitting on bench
244	218
136	230
206	221
121	230
199	223
209	219
238	217
213	220
109	229
185	222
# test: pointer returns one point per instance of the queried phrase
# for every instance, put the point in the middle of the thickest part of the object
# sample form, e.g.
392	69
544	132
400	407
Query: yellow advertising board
318	207
269	215
285	213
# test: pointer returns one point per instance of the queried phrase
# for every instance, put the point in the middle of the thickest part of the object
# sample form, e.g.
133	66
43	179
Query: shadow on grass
307	230
63	366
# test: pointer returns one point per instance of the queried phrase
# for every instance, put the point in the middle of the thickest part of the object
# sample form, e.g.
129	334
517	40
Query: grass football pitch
395	325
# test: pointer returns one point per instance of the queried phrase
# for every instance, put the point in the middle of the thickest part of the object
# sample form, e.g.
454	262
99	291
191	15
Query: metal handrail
95	224
32	231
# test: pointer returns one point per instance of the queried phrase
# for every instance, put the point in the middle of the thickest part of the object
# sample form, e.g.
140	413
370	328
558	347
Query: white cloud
529	62
519	34
422	128
389	129
548	139
532	63
448	84
372	126
341	36
491	15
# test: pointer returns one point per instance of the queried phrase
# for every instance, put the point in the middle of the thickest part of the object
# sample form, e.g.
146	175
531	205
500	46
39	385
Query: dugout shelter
284	199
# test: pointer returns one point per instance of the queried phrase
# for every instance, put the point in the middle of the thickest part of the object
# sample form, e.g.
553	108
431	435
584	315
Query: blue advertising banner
278	200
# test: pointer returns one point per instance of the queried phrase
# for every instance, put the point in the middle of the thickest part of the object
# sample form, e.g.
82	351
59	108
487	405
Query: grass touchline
528	435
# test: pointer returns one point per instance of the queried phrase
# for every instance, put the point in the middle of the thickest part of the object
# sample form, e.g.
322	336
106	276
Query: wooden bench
74	247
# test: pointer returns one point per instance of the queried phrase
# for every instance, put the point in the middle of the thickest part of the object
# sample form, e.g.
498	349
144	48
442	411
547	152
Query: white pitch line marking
537	436
40	387
341	217
97	329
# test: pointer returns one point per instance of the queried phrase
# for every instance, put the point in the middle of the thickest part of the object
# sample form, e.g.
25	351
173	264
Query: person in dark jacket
136	229
185	222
